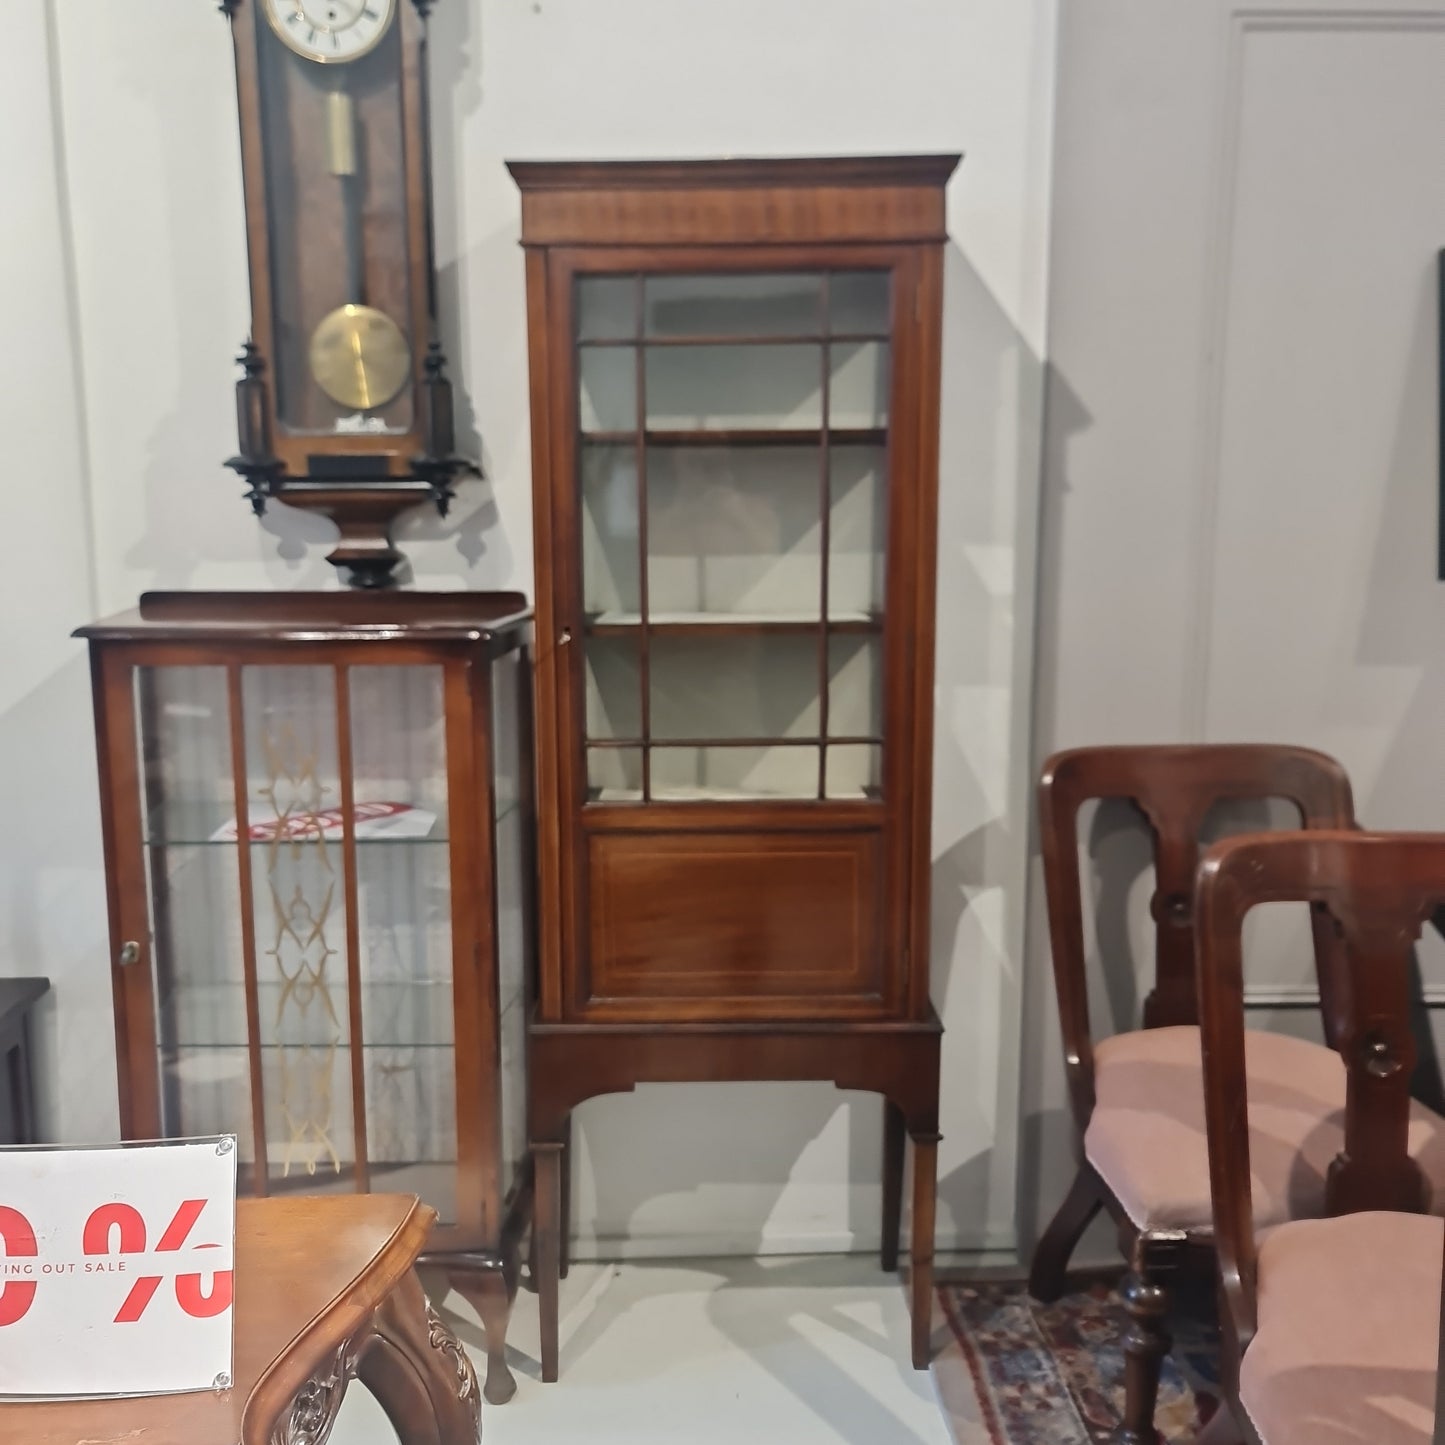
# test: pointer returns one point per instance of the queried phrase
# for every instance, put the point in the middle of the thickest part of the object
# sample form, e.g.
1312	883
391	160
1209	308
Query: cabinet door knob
129	952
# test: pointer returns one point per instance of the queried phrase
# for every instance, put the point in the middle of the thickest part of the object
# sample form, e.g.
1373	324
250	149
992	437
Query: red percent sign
18	1238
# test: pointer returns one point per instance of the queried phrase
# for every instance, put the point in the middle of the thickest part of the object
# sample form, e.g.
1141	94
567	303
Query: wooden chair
1137	1098
1331	1327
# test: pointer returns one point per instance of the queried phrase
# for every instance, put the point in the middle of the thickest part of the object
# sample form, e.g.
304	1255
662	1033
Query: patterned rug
1015	1372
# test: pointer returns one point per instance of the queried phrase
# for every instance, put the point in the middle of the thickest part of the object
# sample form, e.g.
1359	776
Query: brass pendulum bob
358	355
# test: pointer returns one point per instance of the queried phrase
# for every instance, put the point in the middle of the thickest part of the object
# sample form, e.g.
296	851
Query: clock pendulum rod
341	153
358	354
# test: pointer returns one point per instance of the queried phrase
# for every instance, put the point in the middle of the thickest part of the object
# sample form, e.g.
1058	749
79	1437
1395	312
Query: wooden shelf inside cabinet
735	388
700	624
743	437
346	989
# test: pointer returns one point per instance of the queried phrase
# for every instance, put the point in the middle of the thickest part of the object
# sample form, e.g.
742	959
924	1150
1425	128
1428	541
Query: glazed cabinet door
734	468
300	959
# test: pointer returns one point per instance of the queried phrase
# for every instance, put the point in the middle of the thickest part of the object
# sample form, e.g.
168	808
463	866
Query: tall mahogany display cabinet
316	812
735	393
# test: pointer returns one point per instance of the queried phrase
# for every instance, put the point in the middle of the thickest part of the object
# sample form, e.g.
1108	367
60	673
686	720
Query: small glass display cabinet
316	813
735	393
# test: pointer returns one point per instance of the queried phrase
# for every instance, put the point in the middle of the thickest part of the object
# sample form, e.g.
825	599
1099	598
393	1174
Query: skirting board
991	1243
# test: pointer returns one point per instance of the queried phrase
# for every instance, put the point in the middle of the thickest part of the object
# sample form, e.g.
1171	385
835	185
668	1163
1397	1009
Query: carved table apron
325	1292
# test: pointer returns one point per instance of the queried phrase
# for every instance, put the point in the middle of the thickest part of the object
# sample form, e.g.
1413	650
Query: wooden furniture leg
925	1199
895	1140
490	1292
564	1226
572	1063
1152	1260
419	1374
546	1226
1049	1272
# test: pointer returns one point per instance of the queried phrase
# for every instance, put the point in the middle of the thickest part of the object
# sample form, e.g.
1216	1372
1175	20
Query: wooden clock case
403	453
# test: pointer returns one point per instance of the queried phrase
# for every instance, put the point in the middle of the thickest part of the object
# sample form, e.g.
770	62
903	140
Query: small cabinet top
826	200
476	617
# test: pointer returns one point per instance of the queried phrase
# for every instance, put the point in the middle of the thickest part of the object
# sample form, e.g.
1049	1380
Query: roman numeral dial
330	31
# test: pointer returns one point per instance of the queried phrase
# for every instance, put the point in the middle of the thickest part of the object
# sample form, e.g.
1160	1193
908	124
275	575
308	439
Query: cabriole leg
490	1293
419	1374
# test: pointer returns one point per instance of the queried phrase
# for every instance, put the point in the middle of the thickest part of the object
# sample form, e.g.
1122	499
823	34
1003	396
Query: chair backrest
1174	787
1376	890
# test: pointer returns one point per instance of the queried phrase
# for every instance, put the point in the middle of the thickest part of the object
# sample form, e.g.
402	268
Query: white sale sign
116	1269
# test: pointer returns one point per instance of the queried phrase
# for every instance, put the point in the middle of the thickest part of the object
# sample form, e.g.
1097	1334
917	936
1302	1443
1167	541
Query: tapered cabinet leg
419	1374
547	1247
895	1139
1048	1274
564	1224
490	1293
920	1282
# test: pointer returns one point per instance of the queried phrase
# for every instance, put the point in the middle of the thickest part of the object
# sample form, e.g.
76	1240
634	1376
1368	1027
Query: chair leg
895	1140
1048	1273
1145	1346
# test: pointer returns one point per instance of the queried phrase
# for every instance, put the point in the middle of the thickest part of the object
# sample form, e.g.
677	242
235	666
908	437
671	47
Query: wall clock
343	406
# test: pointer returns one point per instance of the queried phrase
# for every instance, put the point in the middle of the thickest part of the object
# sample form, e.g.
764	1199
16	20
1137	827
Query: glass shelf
197	824
401	1014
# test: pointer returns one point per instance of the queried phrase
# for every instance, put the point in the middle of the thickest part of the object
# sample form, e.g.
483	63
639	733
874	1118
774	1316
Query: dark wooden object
463	634
18	996
1174	787
361	479
1375	891
325	1292
721	939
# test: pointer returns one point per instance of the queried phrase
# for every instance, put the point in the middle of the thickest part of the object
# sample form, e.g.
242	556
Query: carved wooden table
325	1291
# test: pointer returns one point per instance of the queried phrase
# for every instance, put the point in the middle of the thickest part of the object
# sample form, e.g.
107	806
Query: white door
1241	491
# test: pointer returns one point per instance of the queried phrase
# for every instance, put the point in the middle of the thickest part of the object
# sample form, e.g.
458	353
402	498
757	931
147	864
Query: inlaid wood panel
766	925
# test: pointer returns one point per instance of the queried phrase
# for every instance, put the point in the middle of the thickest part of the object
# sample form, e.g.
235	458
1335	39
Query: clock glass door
335	161
733	474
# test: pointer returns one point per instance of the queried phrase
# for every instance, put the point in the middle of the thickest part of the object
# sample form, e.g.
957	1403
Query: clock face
329	31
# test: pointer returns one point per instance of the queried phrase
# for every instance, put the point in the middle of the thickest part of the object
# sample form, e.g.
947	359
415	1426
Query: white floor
807	1352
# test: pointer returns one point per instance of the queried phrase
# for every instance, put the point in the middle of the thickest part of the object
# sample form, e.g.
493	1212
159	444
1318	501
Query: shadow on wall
1403	617
194	508
729	1152
52	901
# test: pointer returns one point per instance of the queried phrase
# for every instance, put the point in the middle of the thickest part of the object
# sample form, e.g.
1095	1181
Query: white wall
1241	479
153	190
52	911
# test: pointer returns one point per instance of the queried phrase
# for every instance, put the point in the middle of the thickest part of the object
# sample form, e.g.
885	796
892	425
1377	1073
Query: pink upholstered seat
1146	1136
1349	1330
